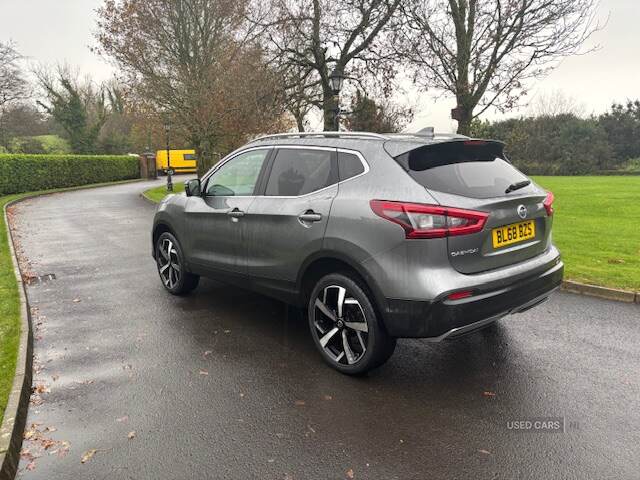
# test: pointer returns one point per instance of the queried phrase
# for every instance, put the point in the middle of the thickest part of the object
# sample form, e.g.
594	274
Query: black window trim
261	184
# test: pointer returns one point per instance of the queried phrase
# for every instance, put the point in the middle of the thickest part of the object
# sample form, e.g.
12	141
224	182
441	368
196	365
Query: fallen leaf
131	435
31	466
203	372
327	397
50	429
227	331
41	388
350	473
242	395
206	353
88	455
485	452
47	444
300	403
76	300
488	394
122	419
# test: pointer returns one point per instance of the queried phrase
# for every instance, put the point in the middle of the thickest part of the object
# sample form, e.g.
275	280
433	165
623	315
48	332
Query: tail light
460	295
548	203
430	221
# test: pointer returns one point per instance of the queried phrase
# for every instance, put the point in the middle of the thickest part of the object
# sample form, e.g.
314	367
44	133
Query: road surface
227	384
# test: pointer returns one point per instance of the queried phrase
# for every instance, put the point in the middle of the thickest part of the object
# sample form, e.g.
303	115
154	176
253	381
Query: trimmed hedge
28	173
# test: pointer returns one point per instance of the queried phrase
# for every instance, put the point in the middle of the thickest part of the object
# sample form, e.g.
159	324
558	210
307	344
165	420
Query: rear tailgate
475	175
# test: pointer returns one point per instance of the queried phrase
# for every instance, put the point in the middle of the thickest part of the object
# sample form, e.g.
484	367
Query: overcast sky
53	31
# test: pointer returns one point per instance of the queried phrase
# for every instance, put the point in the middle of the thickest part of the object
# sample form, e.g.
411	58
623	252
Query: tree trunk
465	115
464	125
300	121
205	153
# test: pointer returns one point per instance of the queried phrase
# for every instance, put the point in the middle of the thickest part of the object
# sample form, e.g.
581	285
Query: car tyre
345	326
172	267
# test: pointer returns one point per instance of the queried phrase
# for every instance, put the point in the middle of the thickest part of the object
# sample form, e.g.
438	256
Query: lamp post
336	78
167	130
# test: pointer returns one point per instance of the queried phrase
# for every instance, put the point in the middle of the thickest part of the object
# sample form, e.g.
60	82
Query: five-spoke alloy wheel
345	327
171	266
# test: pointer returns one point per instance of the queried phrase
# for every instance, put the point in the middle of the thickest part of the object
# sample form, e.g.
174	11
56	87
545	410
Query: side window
349	165
238	176
189	156
299	171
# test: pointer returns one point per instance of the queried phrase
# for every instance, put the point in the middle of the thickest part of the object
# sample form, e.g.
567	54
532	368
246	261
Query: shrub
24	173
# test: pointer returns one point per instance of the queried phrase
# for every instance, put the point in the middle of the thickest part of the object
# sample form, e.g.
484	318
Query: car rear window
473	168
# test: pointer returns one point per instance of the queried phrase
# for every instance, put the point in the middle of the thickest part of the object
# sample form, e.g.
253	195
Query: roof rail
329	134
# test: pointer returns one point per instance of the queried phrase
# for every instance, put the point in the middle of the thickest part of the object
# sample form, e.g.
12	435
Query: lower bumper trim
444	318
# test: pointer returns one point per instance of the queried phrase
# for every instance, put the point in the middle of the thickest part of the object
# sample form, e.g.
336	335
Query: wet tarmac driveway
226	384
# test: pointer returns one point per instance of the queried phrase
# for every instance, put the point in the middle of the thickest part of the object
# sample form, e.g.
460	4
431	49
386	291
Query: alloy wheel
341	325
169	263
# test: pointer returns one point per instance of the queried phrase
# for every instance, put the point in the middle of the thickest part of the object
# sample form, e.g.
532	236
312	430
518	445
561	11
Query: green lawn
158	193
597	228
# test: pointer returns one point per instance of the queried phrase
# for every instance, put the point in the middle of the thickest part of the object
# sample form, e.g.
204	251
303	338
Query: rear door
287	223
476	175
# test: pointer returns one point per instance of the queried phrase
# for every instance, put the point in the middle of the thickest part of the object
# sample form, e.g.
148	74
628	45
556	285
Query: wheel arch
327	261
159	228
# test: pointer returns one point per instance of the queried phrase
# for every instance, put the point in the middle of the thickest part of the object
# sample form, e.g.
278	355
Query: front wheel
345	327
171	266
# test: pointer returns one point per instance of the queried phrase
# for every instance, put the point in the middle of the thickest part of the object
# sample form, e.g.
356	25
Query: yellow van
182	161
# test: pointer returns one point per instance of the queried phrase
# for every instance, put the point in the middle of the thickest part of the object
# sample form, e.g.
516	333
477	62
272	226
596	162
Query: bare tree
484	51
312	38
194	61
13	85
554	103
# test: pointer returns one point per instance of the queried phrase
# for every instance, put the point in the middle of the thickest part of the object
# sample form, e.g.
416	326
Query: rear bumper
443	318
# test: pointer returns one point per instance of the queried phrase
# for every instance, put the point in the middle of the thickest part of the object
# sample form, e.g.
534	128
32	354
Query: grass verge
158	193
10	299
595	227
9	312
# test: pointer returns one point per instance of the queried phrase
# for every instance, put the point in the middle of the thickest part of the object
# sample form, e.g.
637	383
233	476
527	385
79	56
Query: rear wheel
345	327
171	266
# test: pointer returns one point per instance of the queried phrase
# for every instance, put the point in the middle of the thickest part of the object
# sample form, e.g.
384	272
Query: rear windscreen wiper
517	186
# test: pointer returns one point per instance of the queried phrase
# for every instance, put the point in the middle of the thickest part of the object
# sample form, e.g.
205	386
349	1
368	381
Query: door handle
236	213
310	216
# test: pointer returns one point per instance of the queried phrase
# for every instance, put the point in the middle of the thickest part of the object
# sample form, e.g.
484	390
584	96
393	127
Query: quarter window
300	171
238	176
349	165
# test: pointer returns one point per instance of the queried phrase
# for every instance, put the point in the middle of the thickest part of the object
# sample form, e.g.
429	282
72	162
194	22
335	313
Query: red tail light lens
460	295
548	203
430	221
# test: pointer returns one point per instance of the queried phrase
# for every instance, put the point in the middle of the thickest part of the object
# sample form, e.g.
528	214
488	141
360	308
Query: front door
215	220
288	222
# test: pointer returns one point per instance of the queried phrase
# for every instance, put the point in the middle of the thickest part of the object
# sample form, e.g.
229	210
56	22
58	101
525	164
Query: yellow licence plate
514	233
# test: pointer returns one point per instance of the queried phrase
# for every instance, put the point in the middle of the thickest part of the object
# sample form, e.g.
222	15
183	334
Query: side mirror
192	187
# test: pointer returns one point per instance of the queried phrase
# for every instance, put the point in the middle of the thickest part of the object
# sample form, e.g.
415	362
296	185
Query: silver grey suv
376	236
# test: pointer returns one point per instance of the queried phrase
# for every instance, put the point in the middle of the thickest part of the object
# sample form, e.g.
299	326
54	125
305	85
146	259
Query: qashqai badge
522	211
